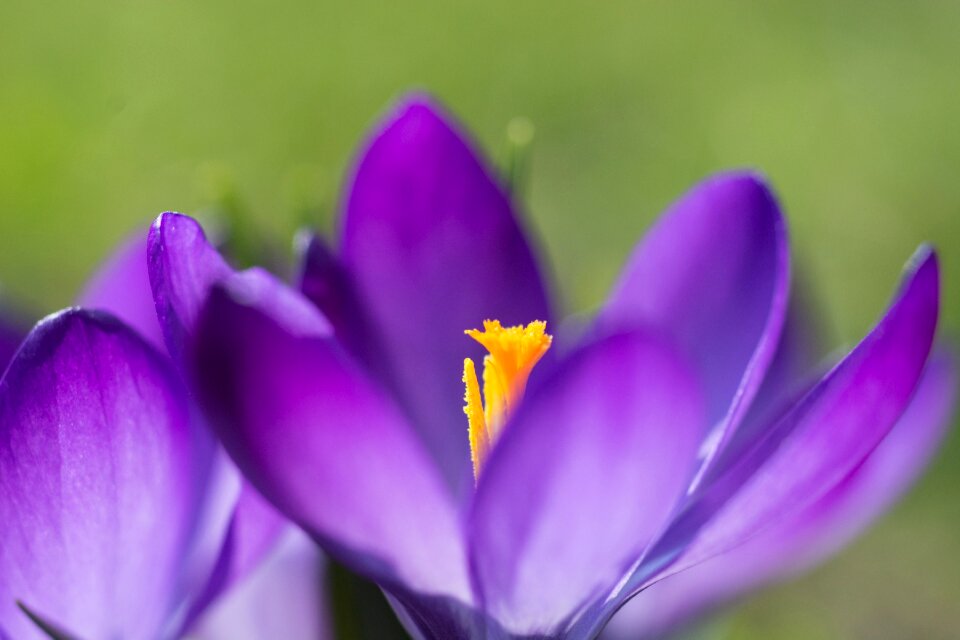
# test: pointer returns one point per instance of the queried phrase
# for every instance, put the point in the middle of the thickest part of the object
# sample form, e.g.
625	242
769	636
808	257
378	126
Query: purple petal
283	304
254	529
831	431
11	335
431	242
183	267
582	480
240	529
122	287
800	361
283	598
801	349
328	449
713	273
101	478
325	282
810	537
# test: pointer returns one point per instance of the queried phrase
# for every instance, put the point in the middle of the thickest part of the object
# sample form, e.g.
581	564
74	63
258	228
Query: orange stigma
513	352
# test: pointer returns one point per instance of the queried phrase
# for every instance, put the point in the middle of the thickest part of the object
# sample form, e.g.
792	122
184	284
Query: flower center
513	352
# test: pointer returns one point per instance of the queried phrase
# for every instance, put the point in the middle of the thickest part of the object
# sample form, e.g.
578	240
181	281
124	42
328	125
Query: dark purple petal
582	480
830	431
808	538
325	282
431	242
101	477
283	598
713	273
182	268
12	334
327	448
122	286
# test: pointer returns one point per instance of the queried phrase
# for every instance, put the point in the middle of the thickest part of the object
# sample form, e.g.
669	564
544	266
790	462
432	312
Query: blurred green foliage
112	111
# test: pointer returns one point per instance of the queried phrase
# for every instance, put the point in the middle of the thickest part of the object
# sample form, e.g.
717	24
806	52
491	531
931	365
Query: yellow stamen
479	437
513	352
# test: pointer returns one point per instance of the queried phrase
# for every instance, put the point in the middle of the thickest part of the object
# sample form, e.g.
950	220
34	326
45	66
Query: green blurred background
112	111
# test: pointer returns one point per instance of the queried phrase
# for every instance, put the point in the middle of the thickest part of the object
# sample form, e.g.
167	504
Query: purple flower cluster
689	444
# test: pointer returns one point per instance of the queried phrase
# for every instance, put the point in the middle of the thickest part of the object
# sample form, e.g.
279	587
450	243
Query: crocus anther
513	352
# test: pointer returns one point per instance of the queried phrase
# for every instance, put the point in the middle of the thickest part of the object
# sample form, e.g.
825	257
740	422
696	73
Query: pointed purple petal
283	598
582	480
810	537
808	452
101	476
713	273
183	267
831	431
433	246
327	448
122	286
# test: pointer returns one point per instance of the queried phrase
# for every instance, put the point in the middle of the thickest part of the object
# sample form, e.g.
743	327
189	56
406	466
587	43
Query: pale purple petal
101	477
249	539
433	246
808	538
284	598
328	448
582	480
122	287
714	274
239	530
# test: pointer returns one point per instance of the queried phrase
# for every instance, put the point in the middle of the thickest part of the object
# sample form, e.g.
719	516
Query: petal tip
72	317
168	218
171	222
417	104
749	179
53	329
417	116
745	189
924	258
922	271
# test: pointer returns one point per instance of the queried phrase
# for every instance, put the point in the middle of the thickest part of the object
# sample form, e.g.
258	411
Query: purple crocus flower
120	516
686	426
